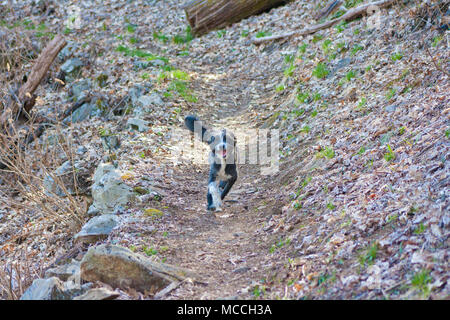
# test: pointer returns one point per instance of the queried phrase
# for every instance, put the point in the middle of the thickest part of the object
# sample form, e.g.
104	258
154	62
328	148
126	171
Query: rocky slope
358	210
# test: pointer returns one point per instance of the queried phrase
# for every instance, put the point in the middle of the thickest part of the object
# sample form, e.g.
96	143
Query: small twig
326	11
172	286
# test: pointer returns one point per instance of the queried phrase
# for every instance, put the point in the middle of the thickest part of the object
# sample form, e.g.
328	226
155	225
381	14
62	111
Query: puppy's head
223	144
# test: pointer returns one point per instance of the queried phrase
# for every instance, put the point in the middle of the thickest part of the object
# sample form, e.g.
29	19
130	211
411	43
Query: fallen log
206	15
23	102
349	15
26	91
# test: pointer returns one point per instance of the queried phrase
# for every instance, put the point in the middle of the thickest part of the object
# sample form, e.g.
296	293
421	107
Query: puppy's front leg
213	197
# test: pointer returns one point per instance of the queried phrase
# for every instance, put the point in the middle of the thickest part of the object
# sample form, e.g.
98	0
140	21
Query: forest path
227	248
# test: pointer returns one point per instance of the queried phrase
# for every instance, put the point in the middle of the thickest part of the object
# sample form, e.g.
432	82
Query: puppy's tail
195	125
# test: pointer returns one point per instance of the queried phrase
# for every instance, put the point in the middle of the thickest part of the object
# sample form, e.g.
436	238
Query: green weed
420	281
320	71
389	155
370	255
356	48
261	34
397	56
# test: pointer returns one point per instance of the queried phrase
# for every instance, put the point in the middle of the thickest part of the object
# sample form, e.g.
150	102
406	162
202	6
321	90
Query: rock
80	114
71	66
391	108
51	187
64	175
68	50
97	228
241	270
108	190
98	294
54	289
80	89
138	64
146	101
122	268
81	150
143	104
43	289
138	124
158	63
93	211
110	142
65	272
135	92
343	63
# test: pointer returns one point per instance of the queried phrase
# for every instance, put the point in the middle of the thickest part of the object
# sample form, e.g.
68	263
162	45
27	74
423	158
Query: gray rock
122	268
72	65
93	211
138	124
146	101
343	63
68	50
97	228
98	294
51	187
158	63
135	92
138	64
54	289
391	108
241	270
81	150
64	176
78	89
65	272
108	190
44	289
110	142
80	114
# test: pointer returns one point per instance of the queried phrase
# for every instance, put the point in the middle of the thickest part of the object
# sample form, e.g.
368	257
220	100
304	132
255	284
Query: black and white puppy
223	171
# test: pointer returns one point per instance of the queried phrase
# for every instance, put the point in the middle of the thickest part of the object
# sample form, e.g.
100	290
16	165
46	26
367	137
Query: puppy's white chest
221	174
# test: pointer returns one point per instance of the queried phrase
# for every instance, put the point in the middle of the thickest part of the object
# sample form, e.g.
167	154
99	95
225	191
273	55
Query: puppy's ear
195	125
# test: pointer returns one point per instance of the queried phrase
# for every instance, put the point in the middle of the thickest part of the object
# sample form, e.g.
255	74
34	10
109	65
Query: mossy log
207	15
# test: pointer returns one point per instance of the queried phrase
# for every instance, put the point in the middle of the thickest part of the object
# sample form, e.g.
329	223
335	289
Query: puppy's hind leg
227	186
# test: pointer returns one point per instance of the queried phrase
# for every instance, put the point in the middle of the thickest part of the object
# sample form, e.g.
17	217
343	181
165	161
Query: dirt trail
226	248
223	247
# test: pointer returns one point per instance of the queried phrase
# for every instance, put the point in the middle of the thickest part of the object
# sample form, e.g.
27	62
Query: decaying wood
24	101
41	66
26	92
349	15
207	15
